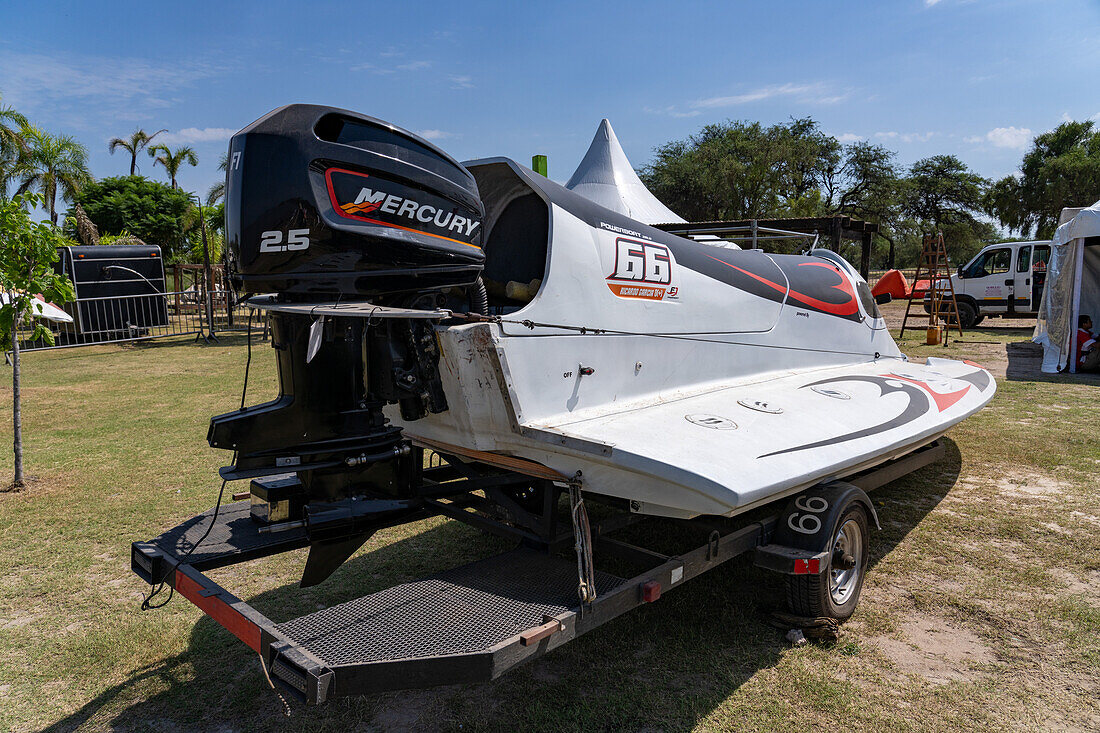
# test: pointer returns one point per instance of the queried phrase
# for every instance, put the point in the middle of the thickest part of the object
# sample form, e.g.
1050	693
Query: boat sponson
728	448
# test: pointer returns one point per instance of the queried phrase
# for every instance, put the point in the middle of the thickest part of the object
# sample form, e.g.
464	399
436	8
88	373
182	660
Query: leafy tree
27	254
53	165
942	194
217	191
941	190
1061	169
133	145
172	162
866	184
739	170
150	210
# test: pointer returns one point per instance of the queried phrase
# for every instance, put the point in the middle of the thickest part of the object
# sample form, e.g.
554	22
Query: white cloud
382	70
930	3
849	137
1015	138
459	81
34	81
906	137
807	93
189	135
371	68
434	134
670	111
1009	137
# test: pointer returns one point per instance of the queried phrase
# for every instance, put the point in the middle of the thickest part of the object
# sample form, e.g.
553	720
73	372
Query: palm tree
172	162
134	145
217	191
52	164
12	145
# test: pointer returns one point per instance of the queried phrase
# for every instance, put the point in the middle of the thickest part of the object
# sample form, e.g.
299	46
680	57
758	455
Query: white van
1003	280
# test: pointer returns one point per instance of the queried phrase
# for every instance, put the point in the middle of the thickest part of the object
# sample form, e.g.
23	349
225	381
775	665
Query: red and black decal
375	200
812	284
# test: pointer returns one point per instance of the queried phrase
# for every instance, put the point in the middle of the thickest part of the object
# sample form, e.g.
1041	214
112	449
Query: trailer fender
803	535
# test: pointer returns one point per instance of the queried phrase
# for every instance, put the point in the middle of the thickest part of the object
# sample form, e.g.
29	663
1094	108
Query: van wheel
978	320
968	315
834	593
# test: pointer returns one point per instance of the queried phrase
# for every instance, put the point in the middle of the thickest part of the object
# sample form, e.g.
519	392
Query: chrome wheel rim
844	581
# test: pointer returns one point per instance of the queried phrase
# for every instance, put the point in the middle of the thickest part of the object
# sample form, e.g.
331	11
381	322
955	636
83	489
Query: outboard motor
325	206
323	203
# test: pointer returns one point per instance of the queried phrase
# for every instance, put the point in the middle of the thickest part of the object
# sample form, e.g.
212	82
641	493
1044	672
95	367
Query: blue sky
976	78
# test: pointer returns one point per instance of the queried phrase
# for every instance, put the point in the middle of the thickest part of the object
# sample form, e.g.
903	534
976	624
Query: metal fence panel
114	319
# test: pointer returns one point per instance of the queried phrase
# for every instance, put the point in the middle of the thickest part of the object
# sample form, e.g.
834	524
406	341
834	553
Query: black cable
584	330
248	361
158	587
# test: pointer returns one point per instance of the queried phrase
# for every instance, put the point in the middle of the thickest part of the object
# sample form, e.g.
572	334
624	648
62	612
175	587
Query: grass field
981	608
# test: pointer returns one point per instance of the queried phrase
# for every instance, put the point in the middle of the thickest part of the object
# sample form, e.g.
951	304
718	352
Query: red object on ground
892	282
920	289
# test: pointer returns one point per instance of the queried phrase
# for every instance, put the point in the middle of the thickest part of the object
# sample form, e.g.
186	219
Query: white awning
1072	286
606	177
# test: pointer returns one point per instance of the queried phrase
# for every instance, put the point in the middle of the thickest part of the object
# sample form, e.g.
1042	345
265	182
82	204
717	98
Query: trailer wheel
834	593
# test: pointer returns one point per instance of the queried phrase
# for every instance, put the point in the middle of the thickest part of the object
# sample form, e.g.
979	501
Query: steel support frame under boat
314	680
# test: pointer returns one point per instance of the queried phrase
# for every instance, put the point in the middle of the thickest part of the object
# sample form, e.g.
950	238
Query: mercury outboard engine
324	207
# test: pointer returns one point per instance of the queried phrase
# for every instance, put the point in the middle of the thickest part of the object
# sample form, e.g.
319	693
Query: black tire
968	314
812	596
978	320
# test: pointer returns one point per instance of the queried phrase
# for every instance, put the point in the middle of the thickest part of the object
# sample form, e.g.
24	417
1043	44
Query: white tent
1072	286
606	177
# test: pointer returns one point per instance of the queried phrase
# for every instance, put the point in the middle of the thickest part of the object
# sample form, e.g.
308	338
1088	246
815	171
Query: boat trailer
475	622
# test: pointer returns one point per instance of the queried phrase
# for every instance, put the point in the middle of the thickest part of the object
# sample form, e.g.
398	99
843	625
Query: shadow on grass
221	339
674	661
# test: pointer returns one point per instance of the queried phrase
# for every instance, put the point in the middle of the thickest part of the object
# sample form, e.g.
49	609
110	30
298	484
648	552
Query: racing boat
526	320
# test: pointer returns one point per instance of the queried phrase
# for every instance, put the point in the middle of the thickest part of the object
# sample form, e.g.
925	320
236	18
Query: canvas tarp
1072	287
606	177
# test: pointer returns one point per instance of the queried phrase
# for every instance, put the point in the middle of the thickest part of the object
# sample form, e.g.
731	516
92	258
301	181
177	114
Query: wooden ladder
933	264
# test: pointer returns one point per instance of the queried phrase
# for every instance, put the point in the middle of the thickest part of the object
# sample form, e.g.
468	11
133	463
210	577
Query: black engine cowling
322	202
